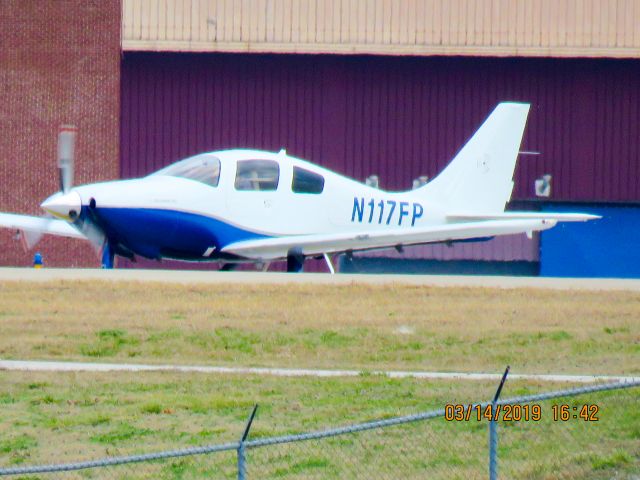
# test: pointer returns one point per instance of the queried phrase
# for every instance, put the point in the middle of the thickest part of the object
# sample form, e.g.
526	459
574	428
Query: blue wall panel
609	247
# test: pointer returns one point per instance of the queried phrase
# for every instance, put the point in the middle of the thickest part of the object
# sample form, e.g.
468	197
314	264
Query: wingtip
583	217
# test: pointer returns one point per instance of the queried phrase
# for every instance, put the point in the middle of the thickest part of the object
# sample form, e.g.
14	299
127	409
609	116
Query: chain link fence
590	432
578	437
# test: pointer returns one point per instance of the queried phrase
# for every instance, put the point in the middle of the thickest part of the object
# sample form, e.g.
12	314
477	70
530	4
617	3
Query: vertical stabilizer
480	177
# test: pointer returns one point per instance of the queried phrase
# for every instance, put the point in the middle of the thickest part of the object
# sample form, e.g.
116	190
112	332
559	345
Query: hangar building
365	87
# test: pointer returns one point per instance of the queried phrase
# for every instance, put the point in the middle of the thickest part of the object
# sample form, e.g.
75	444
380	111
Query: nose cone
63	205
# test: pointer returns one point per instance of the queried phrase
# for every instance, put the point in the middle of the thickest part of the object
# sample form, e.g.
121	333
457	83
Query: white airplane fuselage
187	219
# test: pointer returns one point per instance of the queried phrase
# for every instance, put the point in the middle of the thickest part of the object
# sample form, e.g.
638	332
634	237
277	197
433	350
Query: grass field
368	327
65	417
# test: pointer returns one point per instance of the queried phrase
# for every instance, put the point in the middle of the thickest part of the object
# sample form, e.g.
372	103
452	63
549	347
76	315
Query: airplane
241	205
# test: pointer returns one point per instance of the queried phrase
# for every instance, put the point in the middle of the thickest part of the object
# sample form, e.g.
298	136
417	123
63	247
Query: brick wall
59	63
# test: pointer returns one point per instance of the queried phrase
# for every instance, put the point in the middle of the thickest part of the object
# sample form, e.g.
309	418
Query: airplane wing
316	244
40	225
561	217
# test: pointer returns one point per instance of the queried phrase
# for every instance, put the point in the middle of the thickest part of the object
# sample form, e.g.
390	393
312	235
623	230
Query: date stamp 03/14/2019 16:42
458	412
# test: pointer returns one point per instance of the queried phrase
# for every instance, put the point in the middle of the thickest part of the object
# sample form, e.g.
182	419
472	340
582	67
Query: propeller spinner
63	205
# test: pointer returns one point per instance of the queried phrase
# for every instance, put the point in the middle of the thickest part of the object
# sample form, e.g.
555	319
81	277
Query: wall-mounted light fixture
372	181
543	186
420	181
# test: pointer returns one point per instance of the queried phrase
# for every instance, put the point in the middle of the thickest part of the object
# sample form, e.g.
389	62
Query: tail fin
480	177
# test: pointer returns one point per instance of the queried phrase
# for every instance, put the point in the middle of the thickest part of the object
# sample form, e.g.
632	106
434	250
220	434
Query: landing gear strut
108	256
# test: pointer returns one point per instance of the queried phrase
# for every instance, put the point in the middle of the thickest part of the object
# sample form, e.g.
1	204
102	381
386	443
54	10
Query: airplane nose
63	205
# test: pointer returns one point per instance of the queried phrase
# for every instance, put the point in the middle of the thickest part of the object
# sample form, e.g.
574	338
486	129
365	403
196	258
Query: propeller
95	235
66	151
28	238
67	204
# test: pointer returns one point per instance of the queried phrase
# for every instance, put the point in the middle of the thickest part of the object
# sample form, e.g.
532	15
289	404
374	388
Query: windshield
201	168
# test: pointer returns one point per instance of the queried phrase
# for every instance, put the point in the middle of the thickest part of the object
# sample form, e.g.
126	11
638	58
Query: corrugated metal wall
395	117
566	28
501	249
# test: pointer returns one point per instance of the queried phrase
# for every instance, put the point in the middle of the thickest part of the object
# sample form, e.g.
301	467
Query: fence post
493	431
242	469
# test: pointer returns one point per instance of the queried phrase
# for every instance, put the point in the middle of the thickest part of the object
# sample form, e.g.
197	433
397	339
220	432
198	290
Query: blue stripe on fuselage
157	233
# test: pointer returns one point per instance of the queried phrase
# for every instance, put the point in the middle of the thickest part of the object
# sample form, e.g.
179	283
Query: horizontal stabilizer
560	217
39	224
317	244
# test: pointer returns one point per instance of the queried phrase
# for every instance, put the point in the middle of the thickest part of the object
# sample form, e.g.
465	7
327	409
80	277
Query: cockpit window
201	168
260	175
305	181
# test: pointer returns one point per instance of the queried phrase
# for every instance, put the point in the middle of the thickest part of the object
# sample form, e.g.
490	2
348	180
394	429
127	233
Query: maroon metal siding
397	117
500	249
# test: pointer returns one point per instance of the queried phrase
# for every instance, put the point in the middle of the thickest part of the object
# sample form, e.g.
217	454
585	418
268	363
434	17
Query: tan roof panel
559	28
